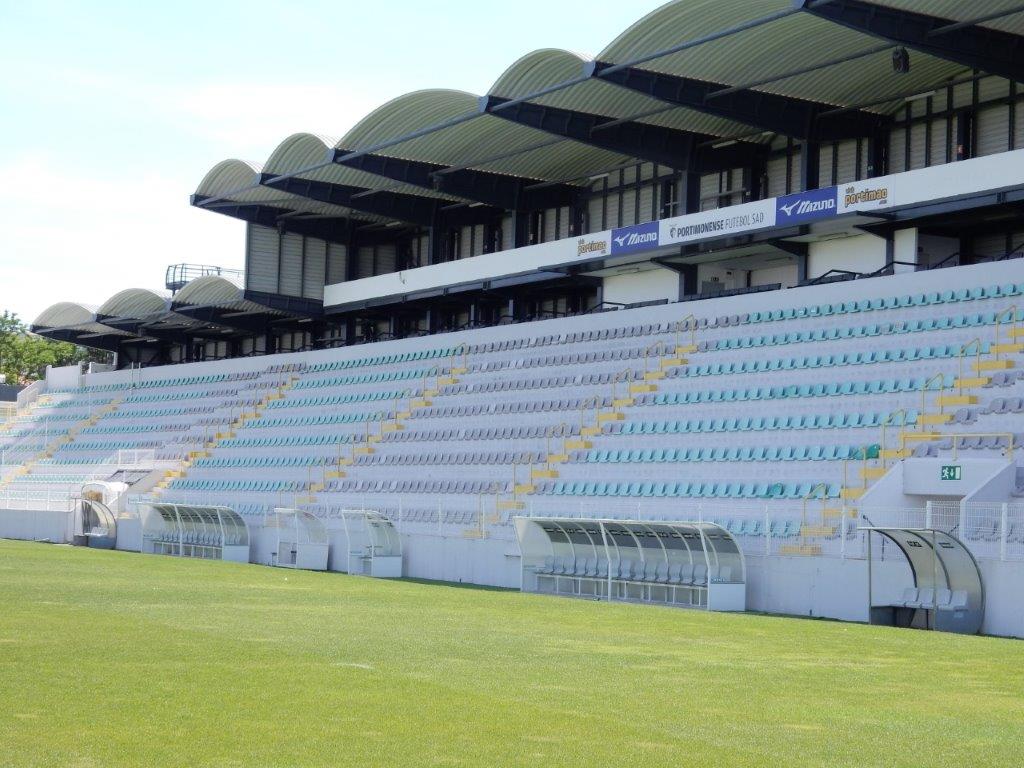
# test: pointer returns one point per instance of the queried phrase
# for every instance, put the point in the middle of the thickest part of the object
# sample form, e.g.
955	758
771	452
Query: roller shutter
918	143
387	255
993	128
291	264
897	150
337	263
647	211
316	258
628	207
261	258
777	176
595	214
550	231
846	162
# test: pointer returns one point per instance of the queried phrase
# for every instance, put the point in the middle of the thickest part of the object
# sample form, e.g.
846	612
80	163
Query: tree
24	356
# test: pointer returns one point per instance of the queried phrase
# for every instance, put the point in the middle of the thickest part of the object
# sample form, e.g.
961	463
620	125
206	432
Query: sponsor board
640	237
866	195
804	207
720	222
595	245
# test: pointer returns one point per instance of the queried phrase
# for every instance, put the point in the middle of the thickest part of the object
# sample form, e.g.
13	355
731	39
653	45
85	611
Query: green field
111	659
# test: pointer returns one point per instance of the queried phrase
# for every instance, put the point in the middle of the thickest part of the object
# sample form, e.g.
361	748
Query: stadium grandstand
730	315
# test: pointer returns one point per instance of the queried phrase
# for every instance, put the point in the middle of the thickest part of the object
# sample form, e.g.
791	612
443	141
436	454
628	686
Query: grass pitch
111	659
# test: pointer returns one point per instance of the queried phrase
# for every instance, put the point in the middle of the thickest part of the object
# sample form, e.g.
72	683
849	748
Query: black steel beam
334	230
798	118
412	209
495	189
296	306
653	143
990	50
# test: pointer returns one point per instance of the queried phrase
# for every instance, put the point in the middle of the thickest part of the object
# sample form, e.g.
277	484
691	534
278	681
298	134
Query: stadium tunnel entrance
947	592
691	564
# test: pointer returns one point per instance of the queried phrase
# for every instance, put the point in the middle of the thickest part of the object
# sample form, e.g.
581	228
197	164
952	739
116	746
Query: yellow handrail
955	436
976	343
687	323
620	376
940	377
658	345
823	488
999	321
902	412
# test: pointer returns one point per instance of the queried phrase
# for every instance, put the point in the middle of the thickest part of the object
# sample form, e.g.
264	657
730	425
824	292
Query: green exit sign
950	472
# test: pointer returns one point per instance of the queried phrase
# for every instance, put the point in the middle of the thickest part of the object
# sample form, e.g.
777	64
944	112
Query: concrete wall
36	525
863	253
647	285
824	587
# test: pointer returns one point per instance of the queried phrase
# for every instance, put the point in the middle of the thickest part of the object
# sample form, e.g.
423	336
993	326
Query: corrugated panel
647	212
261	258
479	239
993	127
825	153
794	171
939	141
316	257
918	143
710	188
846	161
337	263
897	150
628	207
595	214
550	225
508	232
612	211
291	264
777	176
386	258
963	95
992	88
364	267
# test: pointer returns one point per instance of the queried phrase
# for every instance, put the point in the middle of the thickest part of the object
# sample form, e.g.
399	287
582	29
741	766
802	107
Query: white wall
861	253
785	274
36	525
648	285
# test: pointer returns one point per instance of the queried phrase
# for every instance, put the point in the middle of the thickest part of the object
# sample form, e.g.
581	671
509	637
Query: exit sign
950	472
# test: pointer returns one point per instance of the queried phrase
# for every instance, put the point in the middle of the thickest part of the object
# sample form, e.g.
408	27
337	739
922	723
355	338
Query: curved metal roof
238	181
771	46
65	314
305	154
216	290
484	142
136	303
548	67
796	42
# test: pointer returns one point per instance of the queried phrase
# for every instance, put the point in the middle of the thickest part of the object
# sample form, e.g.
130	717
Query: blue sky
111	113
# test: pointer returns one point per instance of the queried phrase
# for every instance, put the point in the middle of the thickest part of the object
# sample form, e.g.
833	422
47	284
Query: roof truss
412	209
494	189
331	229
652	143
984	48
799	118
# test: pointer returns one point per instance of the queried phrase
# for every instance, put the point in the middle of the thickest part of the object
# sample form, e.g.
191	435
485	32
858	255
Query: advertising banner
721	222
805	207
640	237
867	195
